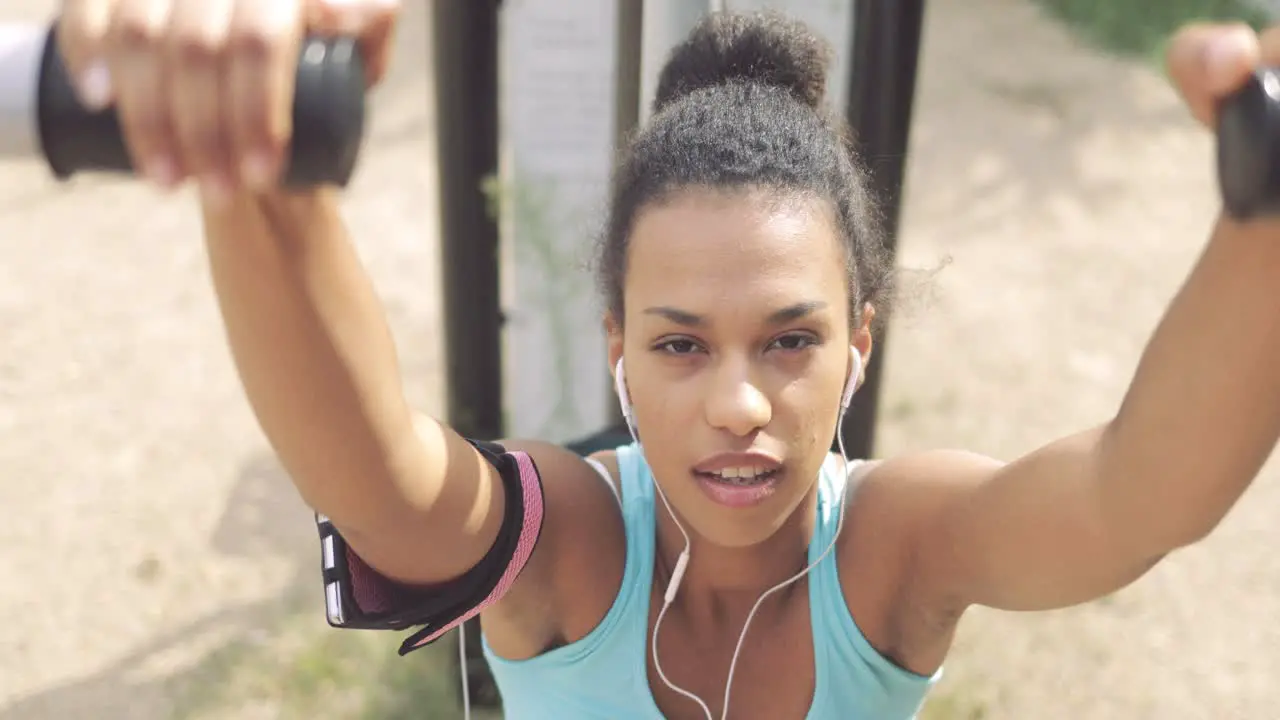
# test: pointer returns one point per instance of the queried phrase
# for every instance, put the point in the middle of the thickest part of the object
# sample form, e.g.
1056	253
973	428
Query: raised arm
203	90
319	366
1090	513
415	500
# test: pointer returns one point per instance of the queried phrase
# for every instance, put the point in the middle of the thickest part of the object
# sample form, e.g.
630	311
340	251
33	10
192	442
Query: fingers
204	88
1269	42
372	21
264	44
376	42
137	35
82	37
1207	62
194	55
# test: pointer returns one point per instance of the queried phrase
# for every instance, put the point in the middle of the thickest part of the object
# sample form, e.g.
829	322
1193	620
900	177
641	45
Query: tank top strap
604	673
638	496
860	670
636	481
833	484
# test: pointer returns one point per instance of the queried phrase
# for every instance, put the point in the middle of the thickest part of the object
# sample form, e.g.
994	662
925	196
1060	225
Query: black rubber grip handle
328	118
1249	147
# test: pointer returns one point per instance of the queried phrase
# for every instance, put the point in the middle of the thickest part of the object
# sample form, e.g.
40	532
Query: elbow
1194	529
1161	536
1154	532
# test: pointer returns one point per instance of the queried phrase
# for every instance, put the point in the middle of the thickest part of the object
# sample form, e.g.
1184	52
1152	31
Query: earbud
851	385
624	400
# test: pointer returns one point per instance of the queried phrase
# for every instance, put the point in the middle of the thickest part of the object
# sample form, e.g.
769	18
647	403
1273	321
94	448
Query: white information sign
557	113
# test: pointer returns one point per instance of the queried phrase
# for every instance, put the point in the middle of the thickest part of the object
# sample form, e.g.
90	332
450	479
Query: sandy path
147	524
144	516
1072	195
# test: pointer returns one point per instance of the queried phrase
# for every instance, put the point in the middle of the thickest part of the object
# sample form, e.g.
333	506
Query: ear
862	340
613	337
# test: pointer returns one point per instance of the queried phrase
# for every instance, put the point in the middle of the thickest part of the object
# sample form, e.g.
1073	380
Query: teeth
744	475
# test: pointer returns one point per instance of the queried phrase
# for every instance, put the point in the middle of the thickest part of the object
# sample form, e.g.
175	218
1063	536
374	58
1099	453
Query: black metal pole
886	51
465	42
628	48
466	82
629	33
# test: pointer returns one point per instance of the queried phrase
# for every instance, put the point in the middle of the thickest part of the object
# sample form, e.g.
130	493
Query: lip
738	497
750	458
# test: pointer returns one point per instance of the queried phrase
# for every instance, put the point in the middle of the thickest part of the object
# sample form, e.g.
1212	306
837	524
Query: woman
742	271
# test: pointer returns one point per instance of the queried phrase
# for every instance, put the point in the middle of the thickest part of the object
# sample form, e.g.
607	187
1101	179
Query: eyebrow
791	313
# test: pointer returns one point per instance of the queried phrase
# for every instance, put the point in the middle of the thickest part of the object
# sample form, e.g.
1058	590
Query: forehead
703	248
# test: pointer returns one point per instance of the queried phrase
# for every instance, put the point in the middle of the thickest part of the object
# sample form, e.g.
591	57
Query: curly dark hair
740	104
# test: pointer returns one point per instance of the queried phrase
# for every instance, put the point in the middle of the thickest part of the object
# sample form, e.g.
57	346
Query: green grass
953	706
306	670
1142	27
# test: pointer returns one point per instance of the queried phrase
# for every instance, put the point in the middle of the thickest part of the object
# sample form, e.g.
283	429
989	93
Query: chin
739	538
736	527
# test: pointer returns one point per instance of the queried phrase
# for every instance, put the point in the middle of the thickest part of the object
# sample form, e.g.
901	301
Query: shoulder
906	490
576	568
892	505
898	500
567	478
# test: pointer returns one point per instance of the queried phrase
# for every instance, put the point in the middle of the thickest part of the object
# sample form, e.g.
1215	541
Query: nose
734	403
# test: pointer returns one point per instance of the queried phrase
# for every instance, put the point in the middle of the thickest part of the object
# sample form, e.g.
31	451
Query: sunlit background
155	563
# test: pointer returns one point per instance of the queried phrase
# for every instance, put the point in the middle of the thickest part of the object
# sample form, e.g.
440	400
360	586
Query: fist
204	88
1209	62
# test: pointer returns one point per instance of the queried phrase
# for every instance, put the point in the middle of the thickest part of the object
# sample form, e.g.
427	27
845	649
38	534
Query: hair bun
761	48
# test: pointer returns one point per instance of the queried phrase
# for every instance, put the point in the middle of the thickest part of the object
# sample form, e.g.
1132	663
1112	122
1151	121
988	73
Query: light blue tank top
603	676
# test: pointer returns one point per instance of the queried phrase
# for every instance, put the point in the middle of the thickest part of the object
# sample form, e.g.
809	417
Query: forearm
1203	411
313	349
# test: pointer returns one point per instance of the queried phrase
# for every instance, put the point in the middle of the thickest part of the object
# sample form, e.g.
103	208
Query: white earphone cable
733	664
462	663
669	596
682	563
677	575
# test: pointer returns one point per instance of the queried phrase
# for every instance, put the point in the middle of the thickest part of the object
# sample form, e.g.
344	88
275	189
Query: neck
719	576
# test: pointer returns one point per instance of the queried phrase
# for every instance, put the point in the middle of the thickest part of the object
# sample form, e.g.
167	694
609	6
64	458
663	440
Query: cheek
663	405
813	398
811	427
808	420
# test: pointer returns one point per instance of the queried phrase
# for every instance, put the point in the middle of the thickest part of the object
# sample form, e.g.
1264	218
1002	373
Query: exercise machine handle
1249	147
40	114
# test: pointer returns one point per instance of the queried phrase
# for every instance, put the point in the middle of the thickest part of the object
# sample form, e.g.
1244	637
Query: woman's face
737	347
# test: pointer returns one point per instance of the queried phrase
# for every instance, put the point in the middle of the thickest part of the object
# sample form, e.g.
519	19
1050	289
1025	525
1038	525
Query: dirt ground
146	524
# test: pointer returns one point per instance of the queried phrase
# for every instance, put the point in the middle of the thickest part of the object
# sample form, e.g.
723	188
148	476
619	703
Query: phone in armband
342	609
339	601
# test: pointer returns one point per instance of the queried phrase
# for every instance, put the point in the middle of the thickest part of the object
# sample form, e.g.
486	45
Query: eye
795	342
677	346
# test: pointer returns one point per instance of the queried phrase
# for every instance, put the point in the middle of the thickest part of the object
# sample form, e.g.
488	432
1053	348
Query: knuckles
192	43
196	47
254	44
193	89
135	34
